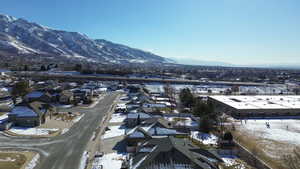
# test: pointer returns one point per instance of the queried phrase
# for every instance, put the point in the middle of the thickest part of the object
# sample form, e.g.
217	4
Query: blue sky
244	32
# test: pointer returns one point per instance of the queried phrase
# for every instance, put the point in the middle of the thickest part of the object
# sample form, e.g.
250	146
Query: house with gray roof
30	114
149	129
133	119
171	152
38	96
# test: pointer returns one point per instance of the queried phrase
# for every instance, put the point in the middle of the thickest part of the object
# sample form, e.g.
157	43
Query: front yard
18	159
56	125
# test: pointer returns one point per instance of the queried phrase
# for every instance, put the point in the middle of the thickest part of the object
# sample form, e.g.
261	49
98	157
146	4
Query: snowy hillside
20	37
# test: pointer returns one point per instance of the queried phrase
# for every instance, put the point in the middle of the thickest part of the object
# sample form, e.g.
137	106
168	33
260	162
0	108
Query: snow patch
31	131
112	160
232	161
78	118
65	130
114	131
207	139
83	160
117	118
33	162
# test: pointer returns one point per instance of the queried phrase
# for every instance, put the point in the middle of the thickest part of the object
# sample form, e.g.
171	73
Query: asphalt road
64	151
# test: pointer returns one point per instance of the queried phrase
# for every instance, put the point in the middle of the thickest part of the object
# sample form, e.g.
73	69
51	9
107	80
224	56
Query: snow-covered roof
23	111
260	102
34	94
135	115
3	89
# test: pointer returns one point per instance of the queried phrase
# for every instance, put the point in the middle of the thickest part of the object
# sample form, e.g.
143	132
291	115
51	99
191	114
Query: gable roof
170	144
138	132
32	109
158	122
136	115
67	93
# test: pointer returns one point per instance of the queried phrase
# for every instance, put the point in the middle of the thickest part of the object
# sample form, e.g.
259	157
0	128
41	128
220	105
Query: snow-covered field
109	161
31	131
207	139
114	131
275	138
286	131
117	118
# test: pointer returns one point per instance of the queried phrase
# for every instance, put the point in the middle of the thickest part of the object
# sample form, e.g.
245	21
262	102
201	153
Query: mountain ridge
19	37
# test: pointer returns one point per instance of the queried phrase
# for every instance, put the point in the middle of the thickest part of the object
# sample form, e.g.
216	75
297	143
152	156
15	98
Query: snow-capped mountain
19	37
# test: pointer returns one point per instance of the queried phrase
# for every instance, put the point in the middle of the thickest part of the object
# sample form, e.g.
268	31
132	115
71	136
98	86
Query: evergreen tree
20	89
206	124
78	67
43	68
186	97
25	67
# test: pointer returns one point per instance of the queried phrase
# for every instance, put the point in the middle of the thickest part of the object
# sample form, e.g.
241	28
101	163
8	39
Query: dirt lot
61	121
15	160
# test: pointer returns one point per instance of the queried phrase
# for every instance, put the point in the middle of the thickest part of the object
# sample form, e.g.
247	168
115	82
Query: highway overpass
63	77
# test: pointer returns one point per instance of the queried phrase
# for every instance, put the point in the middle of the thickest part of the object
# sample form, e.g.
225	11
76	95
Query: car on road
98	154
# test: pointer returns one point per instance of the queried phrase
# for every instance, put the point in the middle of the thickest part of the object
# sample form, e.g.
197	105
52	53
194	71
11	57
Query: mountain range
21	38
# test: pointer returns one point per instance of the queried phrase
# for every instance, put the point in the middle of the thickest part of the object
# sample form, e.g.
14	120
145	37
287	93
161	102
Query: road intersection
64	151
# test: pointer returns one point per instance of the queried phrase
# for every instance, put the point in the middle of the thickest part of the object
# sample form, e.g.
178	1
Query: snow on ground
205	138
65	130
31	131
63	105
109	161
78	118
183	121
232	161
159	87
114	131
7	159
280	130
117	118
83	160
33	162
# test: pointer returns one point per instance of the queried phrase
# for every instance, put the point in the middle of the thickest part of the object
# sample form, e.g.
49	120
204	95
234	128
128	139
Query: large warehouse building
257	106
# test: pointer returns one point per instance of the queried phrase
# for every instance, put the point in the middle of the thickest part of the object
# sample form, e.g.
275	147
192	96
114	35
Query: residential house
79	95
66	97
134	119
171	152
30	114
148	129
38	96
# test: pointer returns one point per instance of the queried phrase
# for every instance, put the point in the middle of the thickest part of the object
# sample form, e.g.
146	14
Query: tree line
199	108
